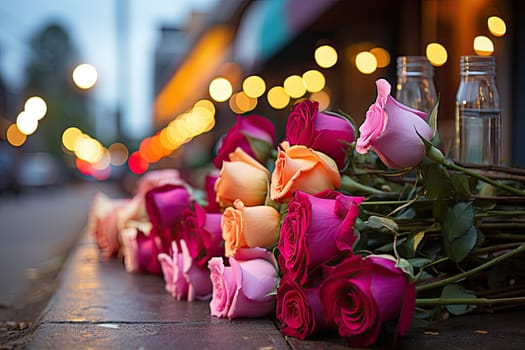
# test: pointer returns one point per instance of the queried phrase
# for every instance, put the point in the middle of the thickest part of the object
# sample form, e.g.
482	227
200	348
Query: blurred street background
93	94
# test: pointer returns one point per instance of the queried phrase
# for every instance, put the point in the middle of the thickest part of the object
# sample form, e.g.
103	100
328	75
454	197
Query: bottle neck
414	67
478	66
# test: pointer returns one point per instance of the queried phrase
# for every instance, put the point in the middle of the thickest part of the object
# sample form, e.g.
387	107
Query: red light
102	174
137	164
84	167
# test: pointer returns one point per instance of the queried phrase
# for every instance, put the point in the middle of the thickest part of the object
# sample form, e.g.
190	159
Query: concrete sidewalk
101	306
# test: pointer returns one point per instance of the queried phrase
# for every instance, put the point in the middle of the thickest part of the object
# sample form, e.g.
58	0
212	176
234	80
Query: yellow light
206	104
436	54
314	80
85	76
69	137
36	106
202	120
166	141
366	62
277	97
26	123
325	56
88	149
14	136
483	46
497	26
254	86
382	56
241	103
323	98
220	89
118	153
294	86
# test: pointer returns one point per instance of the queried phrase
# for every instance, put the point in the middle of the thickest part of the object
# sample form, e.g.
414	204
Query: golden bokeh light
69	137
85	76
436	54
323	98
118	153
366	62
496	26
220	89
294	86
483	45
277	97
88	149
14	136
325	56
314	80
254	86
104	160
382	56
206	104
36	106
26	123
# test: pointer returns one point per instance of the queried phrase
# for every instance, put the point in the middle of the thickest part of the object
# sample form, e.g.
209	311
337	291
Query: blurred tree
48	75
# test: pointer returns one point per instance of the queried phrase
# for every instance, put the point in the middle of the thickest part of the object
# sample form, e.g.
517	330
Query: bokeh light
85	76
254	86
483	45
325	56
26	123
88	149
294	86
137	165
14	136
366	62
36	106
241	103
323	98
382	56
314	80
497	26
277	97
436	54
220	89
118	153
69	137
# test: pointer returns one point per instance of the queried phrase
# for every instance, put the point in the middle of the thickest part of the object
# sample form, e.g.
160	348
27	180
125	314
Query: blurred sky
92	26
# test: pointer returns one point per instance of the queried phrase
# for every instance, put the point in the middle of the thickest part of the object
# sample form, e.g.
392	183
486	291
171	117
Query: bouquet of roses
326	229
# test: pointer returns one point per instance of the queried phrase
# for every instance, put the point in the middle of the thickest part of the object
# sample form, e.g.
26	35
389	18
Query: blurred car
38	170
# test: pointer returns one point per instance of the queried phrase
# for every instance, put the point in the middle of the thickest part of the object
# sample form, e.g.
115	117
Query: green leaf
383	224
437	182
432	119
419	262
455	291
461	185
459	233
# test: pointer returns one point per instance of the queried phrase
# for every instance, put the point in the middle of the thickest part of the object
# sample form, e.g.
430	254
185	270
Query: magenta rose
317	229
165	206
211	196
299	309
243	289
148	248
255	134
184	279
327	133
391	130
360	294
158	178
203	235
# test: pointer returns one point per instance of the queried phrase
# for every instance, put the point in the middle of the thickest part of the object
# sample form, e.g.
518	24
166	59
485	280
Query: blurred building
277	38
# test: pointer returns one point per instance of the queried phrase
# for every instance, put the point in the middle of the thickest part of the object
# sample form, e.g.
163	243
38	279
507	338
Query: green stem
350	185
468	273
467	301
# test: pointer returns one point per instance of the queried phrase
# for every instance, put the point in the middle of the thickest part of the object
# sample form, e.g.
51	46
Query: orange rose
242	178
249	227
301	168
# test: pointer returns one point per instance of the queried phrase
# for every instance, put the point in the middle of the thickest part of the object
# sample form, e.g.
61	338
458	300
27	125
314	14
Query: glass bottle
415	85
478	113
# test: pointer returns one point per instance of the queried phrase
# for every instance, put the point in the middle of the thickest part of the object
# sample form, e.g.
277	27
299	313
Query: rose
129	245
184	279
298	309
317	229
360	294
211	196
158	178
301	168
391	130
243	289
254	134
242	178
323	132
249	227
165	206
202	234
148	248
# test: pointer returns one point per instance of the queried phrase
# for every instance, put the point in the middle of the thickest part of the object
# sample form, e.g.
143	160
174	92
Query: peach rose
249	227
242	178
301	168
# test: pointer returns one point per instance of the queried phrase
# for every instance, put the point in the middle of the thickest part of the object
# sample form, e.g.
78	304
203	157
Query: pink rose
299	309
243	289
390	130
254	134
203	235
148	248
327	133
316	229
360	294
184	279
158	178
